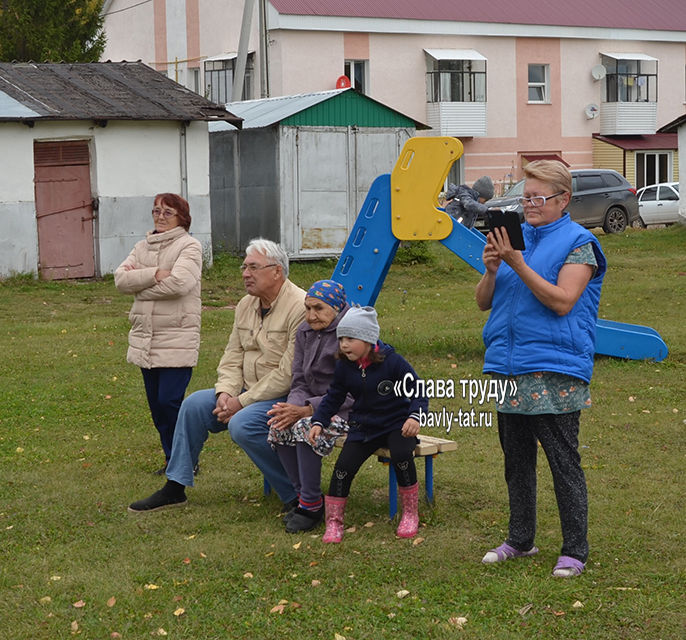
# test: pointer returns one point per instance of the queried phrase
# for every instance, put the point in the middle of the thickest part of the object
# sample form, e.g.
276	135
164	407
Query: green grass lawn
77	445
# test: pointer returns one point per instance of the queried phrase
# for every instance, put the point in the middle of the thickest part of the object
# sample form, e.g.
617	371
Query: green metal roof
334	108
350	108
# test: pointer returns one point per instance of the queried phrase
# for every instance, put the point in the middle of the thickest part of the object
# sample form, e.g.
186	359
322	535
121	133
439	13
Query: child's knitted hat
360	323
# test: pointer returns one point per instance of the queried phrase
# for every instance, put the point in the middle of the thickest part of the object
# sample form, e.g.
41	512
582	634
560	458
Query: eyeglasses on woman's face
537	201
164	213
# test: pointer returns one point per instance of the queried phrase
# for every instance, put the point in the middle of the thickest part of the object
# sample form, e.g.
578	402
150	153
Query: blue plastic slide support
467	244
633	341
370	248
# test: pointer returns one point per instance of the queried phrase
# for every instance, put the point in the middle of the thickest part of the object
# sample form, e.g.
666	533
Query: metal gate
64	210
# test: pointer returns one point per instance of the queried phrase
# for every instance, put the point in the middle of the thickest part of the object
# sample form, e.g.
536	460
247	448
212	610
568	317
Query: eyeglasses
255	267
538	201
165	213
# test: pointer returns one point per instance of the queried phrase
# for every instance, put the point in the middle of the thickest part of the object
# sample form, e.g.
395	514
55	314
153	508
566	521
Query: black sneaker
289	507
304	519
159	500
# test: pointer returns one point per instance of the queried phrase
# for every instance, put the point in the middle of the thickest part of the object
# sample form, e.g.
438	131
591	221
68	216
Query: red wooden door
64	210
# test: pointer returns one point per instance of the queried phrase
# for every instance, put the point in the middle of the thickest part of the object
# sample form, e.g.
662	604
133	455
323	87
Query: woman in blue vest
540	338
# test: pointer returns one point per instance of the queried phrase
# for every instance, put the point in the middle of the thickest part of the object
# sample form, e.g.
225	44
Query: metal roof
655	141
662	15
455	54
269	111
99	91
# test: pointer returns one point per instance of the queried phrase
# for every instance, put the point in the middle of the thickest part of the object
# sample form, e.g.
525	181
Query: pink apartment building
584	81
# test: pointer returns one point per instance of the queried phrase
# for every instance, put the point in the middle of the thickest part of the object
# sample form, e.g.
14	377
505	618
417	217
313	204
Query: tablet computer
509	220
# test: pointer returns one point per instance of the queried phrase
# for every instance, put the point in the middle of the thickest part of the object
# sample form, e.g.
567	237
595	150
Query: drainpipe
242	57
184	160
264	51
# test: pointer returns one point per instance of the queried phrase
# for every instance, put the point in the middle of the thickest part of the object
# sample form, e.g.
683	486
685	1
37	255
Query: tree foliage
51	30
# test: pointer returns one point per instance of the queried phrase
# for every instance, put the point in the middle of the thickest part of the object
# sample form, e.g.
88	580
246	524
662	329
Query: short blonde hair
551	171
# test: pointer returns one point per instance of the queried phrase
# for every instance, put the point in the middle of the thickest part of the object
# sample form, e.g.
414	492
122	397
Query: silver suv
600	198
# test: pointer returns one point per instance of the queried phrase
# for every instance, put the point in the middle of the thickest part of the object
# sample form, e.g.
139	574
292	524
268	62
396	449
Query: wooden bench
428	448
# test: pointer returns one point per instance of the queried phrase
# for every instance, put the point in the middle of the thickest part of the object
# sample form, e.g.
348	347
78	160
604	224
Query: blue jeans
248	429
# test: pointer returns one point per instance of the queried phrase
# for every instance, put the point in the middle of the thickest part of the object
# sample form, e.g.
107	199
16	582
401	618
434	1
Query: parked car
600	198
659	204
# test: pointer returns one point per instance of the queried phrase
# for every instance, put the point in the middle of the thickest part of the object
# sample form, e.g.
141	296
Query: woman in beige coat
163	272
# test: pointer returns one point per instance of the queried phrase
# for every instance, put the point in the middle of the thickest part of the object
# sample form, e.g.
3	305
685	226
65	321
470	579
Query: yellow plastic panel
416	181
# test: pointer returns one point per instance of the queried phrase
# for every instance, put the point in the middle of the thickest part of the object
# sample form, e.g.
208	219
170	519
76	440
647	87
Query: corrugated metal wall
244	187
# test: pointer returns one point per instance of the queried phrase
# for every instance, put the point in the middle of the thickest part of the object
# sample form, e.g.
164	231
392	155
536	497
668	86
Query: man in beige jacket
253	374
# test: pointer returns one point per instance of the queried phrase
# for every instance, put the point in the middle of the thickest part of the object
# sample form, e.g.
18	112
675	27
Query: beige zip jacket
165	316
257	362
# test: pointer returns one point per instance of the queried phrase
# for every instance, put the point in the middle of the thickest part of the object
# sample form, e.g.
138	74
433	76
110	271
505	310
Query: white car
659	204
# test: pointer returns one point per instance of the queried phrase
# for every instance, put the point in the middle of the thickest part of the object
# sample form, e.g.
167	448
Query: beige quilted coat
165	316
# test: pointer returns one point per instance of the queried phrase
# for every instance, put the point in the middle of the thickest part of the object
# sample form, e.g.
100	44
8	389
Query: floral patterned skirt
300	431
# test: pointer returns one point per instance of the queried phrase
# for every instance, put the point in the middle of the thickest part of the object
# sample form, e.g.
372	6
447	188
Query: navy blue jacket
522	335
378	408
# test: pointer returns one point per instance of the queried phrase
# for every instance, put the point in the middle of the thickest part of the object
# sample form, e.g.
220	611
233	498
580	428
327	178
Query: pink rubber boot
409	523
334	508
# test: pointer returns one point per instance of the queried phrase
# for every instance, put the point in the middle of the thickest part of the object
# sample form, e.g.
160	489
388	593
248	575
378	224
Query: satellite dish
591	111
598	72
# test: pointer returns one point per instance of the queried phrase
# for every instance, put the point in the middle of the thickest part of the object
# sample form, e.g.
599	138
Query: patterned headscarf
328	291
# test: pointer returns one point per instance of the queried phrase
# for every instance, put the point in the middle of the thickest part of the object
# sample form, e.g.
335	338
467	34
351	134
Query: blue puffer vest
521	334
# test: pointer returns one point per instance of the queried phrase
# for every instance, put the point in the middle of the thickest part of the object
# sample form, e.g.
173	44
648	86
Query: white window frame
222	68
544	86
351	68
468	80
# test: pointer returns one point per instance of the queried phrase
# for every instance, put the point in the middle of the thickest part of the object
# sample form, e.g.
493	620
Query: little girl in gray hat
368	370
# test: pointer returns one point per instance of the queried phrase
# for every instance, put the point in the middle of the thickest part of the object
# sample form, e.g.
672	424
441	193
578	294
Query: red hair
179	204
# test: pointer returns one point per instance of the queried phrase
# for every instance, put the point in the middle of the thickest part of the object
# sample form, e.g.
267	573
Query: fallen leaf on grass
111	602
159	632
458	622
186	560
526	608
74	626
578	605
315	583
338	636
558	613
179	612
351	530
625	588
403	593
80	604
417	541
297	545
55	578
267	555
151	586
314	563
115	635
368	524
45	600
279	608
247	574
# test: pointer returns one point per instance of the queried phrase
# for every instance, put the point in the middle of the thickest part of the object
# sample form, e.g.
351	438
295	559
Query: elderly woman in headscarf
313	366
